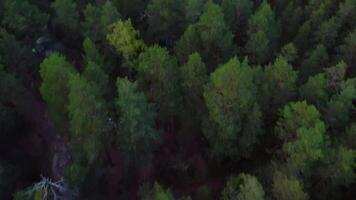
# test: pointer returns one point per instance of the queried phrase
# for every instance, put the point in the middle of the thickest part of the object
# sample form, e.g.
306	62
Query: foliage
278	85
194	77
263	32
97	20
158	76
67	16
243	187
23	18
209	36
287	188
303	134
231	99
55	73
125	39
136	136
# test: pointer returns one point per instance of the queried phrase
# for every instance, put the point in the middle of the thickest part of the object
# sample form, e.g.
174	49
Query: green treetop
263	32
55	72
158	76
303	135
243	187
136	135
210	37
231	99
125	38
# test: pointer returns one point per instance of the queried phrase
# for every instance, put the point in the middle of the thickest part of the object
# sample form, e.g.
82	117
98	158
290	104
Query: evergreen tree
231	99
243	187
210	37
88	125
158	76
23	18
194	77
136	136
303	136
263	33
166	20
278	85
236	14
55	73
287	188
67	15
125	38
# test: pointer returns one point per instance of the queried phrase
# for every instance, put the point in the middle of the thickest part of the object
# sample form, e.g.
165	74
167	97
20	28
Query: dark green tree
23	18
194	77
231	98
67	16
347	52
278	85
136	136
166	20
87	113
158	76
193	9
236	14
314	91
210	37
314	63
263	33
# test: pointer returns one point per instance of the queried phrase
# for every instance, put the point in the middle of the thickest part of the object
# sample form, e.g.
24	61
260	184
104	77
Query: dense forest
177	99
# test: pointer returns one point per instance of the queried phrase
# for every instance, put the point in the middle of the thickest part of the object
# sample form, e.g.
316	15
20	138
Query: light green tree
303	135
55	72
125	38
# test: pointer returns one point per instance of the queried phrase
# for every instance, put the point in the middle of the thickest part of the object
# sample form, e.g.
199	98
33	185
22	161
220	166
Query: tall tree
97	20
194	77
158	76
88	125
243	187
23	18
287	187
193	9
55	72
303	136
231	98
314	63
278	85
67	16
263	33
236	14
166	20
347	52
210	37
136	135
